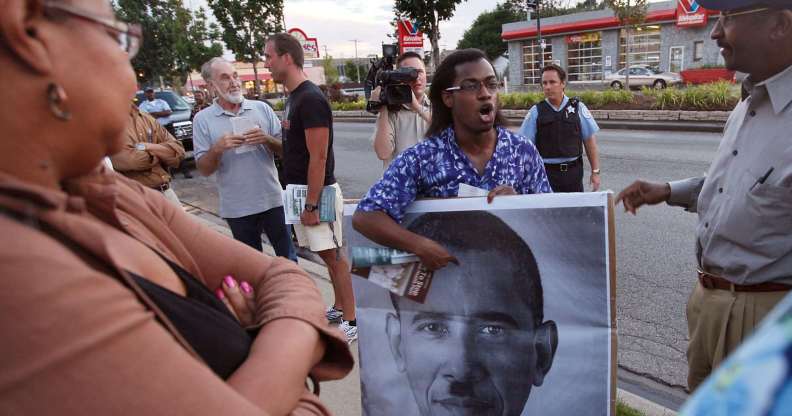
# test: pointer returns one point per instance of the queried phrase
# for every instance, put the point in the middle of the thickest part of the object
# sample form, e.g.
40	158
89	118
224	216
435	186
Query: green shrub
721	95
592	99
623	410
599	99
350	106
279	105
519	100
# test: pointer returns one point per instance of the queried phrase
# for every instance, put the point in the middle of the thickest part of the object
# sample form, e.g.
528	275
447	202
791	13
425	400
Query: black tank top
203	320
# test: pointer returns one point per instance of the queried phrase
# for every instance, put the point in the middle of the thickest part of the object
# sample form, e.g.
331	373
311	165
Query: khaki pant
325	236
718	321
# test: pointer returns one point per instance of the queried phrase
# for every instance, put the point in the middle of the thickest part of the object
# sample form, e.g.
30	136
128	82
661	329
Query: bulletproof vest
558	132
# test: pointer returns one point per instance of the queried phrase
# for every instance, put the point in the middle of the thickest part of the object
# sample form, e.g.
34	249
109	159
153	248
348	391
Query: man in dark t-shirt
306	108
308	160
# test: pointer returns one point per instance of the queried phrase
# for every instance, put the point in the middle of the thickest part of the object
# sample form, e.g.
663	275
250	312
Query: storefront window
698	50
532	67
644	46
584	57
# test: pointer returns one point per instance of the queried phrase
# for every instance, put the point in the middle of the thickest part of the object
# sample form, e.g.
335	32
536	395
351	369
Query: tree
427	14
485	33
175	40
331	72
246	26
200	44
156	57
550	8
629	13
351	71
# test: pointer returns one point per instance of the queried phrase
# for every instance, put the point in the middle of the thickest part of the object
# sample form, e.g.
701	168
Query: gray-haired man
250	193
744	234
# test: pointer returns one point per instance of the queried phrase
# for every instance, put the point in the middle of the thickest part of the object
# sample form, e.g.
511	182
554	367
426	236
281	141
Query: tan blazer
74	340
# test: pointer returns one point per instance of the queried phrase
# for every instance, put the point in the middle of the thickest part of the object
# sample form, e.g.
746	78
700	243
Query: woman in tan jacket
106	289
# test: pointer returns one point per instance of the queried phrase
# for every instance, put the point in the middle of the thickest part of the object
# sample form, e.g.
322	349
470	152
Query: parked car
643	75
179	124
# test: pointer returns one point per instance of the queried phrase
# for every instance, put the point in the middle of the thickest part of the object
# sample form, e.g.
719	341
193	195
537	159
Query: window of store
532	69
698	50
644	46
584	57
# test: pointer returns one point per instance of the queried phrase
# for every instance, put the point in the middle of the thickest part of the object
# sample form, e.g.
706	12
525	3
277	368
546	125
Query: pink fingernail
230	282
219	293
246	287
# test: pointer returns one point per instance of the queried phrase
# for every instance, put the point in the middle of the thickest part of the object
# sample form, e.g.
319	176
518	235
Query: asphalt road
655	261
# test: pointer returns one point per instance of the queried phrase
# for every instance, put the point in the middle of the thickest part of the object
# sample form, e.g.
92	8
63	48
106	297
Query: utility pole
533	8
325	48
357	67
539	33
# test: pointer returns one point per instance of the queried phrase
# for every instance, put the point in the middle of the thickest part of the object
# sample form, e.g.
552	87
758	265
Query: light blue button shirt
588	127
247	182
154	106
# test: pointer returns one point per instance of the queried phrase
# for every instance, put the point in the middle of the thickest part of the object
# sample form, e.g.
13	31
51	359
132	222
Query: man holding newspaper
308	164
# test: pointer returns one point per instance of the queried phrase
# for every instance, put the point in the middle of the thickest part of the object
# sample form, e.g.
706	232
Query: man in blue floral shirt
466	144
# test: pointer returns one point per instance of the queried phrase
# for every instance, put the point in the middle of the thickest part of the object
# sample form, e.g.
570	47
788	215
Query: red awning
591	24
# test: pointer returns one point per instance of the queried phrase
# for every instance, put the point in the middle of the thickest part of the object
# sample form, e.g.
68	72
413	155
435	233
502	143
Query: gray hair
206	69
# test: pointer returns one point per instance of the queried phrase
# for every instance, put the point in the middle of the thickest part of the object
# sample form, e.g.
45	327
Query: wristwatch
595	171
311	207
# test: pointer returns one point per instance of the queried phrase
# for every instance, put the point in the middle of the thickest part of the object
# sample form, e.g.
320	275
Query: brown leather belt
711	281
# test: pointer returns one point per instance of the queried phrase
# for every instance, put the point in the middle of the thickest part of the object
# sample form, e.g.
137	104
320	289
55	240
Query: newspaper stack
400	272
295	196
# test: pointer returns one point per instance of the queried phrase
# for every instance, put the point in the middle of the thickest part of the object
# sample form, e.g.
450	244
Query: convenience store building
590	45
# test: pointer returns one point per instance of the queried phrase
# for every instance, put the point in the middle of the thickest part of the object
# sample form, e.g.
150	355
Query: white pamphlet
467	191
239	126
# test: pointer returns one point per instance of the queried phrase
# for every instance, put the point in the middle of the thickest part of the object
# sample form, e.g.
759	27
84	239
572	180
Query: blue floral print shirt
435	167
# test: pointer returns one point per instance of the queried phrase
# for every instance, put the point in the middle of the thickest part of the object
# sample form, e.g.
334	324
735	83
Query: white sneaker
350	331
334	315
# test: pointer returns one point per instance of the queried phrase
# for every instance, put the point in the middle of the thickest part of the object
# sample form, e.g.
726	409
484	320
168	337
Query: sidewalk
343	396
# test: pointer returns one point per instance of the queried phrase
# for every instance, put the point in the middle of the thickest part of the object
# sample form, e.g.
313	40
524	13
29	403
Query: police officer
744	203
560	127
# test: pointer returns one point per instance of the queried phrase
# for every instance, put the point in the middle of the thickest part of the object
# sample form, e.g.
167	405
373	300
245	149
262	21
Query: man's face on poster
473	348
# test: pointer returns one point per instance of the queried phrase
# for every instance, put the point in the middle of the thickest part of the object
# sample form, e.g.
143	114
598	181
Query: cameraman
398	130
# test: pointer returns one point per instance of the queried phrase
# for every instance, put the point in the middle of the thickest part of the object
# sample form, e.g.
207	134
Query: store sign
584	37
410	38
310	45
690	14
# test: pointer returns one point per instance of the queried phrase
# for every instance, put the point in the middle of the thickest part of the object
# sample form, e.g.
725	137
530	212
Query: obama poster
522	324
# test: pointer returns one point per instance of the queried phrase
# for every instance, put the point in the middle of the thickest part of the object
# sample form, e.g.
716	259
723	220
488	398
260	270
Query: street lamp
357	67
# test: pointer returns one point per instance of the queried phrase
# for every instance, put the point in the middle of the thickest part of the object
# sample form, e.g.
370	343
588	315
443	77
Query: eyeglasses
472	86
727	17
128	35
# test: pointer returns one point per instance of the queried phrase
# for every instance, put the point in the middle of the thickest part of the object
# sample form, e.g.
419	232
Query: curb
648	408
607	124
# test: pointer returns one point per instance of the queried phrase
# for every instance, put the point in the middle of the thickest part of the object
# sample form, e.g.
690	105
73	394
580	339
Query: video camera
393	83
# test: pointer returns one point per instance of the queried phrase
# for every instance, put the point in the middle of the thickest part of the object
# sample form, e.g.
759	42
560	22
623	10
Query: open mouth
487	113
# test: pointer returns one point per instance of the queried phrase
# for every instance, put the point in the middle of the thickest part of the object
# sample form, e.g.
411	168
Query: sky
337	23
